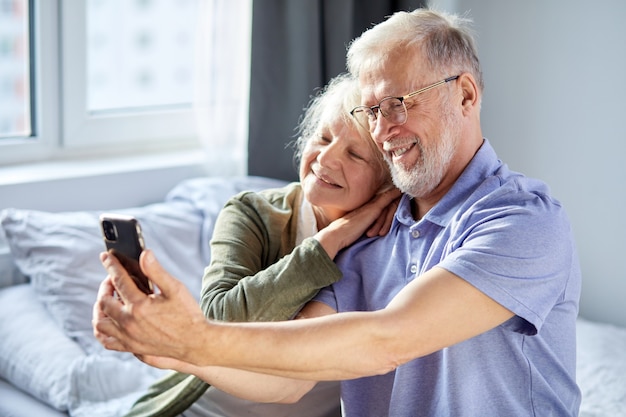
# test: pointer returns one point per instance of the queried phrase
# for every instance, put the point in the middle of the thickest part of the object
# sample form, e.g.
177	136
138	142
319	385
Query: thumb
156	273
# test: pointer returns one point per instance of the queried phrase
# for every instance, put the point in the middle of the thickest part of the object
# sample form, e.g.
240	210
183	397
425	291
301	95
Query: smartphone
122	234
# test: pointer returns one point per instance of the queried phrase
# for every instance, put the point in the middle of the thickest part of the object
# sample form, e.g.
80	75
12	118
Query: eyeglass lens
392	109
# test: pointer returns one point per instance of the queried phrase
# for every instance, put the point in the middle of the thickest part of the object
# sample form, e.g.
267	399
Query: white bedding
39	359
47	346
601	369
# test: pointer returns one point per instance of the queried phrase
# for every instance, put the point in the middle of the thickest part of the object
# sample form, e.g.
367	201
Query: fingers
382	224
111	342
158	275
103	325
107	332
387	197
116	291
105	289
120	279
111	321
388	216
376	227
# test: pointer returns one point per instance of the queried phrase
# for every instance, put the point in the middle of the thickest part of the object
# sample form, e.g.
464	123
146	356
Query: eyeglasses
392	108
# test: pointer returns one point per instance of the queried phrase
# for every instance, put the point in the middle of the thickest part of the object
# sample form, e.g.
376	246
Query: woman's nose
330	156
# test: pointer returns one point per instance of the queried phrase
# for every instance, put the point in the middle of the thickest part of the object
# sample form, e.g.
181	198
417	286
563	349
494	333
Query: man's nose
380	129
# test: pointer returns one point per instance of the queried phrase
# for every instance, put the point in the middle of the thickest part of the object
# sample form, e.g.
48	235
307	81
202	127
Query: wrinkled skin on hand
149	326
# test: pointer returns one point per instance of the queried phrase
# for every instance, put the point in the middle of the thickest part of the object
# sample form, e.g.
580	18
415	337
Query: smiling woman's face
338	170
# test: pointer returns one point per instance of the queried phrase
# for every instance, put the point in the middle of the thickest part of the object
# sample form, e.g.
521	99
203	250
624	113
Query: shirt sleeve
327	296
518	251
250	278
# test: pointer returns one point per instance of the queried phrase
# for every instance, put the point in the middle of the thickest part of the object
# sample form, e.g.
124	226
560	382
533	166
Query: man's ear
470	92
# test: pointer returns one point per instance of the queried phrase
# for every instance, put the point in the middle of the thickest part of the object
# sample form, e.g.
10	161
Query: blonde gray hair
334	103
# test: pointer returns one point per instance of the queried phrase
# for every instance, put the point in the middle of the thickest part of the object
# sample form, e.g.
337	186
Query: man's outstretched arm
434	311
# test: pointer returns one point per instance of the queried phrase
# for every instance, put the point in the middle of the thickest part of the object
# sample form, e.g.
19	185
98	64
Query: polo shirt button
413	269
415	233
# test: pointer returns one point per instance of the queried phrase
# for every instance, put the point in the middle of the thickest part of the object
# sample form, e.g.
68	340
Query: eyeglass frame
371	110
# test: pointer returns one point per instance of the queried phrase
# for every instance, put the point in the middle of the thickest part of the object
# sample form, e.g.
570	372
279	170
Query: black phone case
126	244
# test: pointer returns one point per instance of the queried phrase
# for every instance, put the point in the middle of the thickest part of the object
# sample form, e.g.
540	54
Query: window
147	61
123	66
96	77
15	81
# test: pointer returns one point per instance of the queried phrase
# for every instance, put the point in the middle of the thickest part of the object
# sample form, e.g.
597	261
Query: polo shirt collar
482	165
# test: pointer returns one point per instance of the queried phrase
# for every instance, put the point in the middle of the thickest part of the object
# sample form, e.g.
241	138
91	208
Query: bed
50	363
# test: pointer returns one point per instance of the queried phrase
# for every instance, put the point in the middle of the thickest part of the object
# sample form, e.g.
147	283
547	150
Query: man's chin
401	179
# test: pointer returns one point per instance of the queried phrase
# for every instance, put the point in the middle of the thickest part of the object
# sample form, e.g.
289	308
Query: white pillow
108	385
601	368
59	251
35	355
9	274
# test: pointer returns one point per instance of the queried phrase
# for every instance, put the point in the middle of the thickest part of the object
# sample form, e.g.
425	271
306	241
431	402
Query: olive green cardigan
257	273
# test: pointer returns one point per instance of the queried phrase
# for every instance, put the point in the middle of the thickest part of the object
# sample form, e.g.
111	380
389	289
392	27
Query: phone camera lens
109	230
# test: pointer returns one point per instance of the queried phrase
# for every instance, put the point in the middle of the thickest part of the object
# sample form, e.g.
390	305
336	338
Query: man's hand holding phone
150	326
124	239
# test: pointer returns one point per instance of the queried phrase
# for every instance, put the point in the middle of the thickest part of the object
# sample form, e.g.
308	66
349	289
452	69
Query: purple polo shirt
504	234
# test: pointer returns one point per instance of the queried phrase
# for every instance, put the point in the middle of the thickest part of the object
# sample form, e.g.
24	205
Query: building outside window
94	77
15	79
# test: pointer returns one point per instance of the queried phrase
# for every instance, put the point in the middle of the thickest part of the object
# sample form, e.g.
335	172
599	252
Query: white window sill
65	169
94	184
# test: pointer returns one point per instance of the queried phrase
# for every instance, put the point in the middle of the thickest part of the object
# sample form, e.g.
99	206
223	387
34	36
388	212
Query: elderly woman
271	250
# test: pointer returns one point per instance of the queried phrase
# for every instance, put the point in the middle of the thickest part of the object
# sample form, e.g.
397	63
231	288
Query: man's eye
395	104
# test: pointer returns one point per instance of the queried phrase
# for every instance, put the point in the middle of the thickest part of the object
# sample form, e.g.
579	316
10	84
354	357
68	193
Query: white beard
426	174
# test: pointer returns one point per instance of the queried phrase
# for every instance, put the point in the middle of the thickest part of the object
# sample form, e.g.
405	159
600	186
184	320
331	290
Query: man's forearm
295	349
435	311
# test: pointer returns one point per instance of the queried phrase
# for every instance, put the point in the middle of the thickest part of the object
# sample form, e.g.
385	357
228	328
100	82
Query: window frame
61	127
44	49
80	129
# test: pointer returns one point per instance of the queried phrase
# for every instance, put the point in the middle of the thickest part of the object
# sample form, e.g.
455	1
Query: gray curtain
297	46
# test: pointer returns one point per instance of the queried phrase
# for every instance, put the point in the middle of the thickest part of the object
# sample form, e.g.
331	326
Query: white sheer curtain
223	82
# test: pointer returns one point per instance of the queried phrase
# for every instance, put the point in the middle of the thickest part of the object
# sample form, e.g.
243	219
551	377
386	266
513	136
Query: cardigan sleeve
256	273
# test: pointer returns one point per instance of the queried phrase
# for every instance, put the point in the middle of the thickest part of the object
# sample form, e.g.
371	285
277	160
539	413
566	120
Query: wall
554	108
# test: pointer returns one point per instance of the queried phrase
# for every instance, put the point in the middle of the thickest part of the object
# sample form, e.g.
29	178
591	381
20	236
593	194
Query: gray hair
334	103
330	103
446	40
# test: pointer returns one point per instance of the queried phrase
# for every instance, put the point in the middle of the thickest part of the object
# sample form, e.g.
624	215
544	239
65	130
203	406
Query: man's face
420	150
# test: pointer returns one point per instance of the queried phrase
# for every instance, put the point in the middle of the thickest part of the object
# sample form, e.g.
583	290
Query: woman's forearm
253	386
247	271
297	278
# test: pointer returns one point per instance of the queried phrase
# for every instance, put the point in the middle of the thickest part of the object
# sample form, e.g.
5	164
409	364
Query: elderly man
467	307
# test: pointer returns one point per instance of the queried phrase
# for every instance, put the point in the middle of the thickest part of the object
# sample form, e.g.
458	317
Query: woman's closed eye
348	147
321	139
356	155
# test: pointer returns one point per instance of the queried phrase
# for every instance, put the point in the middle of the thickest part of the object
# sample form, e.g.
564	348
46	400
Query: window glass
147	60
15	117
91	78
